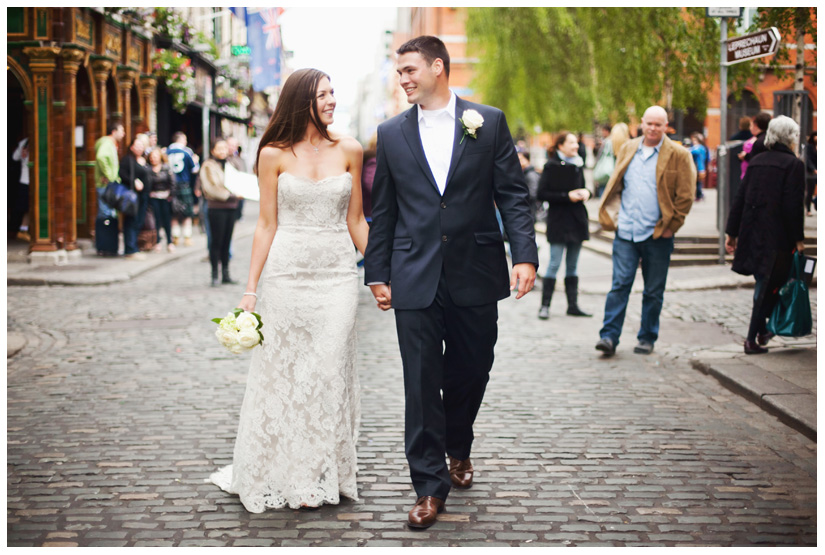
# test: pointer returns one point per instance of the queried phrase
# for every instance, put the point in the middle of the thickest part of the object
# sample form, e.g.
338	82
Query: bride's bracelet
251	294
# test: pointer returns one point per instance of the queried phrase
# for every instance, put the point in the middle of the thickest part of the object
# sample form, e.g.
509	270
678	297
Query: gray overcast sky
339	41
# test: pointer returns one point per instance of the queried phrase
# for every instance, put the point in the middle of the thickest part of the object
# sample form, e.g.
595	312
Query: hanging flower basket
178	74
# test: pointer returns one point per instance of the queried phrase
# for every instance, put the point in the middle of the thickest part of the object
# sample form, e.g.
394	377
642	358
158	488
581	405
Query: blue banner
263	36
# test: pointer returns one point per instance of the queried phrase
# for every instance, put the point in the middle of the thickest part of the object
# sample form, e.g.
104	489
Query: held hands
524	275
383	295
578	195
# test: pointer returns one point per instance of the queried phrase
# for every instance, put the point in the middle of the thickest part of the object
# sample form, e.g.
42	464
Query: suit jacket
416	231
675	186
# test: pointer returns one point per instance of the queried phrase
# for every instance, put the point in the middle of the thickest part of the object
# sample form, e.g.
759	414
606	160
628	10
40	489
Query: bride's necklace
315	148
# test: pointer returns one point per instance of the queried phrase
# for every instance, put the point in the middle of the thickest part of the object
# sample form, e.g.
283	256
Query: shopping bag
791	317
604	166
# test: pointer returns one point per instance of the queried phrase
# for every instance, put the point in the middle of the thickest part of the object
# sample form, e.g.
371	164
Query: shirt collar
655	148
449	109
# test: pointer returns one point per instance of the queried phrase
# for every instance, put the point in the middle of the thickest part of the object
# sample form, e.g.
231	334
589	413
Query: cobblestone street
122	403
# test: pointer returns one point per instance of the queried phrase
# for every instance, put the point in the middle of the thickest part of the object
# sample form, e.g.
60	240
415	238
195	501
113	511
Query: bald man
645	202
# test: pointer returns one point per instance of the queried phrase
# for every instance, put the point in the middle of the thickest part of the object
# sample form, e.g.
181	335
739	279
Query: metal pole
722	153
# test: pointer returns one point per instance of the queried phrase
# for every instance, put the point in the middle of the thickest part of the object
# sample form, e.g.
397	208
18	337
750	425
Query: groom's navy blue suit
444	258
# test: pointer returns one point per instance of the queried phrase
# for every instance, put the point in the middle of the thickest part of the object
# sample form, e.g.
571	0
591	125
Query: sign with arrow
755	45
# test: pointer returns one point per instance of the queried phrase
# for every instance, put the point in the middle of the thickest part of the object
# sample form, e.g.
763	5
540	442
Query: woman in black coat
562	186
766	224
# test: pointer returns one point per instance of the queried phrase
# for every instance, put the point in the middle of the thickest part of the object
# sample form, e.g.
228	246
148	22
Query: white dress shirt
437	130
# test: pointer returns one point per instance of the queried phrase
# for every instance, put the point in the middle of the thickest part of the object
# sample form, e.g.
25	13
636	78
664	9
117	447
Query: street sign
755	45
724	12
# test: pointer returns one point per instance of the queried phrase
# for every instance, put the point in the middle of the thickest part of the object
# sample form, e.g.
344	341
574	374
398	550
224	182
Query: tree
793	24
570	67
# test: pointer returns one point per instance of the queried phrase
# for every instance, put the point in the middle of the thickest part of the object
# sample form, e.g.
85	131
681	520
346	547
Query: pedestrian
437	257
19	214
645	203
151	143
368	175
223	210
531	177
582	148
619	135
810	173
699	153
137	177
299	419
184	163
766	224
758	126
238	163
562	186
744	132
160	196
762	119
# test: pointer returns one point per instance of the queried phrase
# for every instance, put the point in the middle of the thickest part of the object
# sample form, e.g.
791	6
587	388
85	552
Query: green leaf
237	312
217	320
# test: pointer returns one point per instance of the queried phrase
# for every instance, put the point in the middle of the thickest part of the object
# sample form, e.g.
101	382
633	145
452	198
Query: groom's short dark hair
430	48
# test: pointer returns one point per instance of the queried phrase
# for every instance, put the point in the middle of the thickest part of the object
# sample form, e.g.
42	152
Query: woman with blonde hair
614	142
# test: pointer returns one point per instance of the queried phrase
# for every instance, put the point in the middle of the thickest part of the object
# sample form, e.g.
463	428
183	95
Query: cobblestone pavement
122	403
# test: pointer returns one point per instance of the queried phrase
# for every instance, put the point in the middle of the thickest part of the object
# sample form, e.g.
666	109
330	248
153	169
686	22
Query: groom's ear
438	66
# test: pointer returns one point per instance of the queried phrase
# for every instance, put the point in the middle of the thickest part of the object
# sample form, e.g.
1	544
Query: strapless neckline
316	181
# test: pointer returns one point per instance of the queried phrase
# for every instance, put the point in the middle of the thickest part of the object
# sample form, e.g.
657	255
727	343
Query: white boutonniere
471	121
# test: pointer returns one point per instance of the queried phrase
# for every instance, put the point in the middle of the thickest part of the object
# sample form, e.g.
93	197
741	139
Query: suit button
444	238
443	205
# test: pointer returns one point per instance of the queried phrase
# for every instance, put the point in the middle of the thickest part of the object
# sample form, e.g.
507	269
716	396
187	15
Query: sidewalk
782	382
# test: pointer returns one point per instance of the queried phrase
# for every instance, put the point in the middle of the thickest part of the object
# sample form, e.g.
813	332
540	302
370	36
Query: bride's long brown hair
295	109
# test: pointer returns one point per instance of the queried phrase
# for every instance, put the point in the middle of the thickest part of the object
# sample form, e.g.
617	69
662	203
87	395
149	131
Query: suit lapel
409	127
458	144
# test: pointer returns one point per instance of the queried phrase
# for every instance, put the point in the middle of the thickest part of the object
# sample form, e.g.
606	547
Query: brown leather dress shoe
425	512
461	473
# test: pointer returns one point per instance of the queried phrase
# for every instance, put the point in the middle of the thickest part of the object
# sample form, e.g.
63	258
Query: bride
301	410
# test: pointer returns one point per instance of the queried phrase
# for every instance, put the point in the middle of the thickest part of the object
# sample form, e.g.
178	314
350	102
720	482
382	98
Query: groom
436	255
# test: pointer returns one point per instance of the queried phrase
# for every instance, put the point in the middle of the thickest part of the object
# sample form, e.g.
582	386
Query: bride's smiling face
325	100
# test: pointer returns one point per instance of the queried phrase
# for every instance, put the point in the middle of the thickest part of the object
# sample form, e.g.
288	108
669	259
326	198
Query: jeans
655	257
130	234
222	223
556	255
162	209
143	204
699	189
103	210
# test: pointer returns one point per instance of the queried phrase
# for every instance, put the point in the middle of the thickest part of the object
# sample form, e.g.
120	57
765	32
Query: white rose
248	338
246	320
226	337
472	120
229	322
235	349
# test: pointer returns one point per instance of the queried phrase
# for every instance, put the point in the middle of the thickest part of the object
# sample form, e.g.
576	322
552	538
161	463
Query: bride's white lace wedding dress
301	410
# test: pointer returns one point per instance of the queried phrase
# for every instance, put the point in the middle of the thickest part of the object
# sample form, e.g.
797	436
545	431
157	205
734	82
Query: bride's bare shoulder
271	157
350	145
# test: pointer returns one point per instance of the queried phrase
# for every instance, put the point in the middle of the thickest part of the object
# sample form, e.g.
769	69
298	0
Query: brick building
70	72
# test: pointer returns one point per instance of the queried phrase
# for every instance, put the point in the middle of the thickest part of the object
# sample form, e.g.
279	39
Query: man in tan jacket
645	202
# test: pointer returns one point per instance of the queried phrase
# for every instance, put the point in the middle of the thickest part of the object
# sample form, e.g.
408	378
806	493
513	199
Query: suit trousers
447	353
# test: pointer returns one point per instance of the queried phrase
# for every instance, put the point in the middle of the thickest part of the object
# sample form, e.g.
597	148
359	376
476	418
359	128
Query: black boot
215	282
547	287
571	287
226	278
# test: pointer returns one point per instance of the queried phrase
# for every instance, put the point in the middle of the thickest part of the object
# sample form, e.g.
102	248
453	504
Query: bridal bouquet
239	330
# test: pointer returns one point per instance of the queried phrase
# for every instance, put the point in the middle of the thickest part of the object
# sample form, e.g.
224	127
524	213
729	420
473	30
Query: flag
263	36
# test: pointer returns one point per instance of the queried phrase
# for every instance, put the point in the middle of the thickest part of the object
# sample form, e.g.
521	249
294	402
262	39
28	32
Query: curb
792	405
120	277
